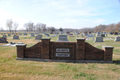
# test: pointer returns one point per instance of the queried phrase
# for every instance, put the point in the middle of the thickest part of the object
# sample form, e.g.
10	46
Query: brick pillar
108	51
80	49
45	48
21	50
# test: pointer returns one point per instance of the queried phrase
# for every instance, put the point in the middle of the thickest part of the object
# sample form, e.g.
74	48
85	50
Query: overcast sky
60	13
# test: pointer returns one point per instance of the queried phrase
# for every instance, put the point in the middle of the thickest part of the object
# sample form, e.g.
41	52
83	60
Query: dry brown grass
12	69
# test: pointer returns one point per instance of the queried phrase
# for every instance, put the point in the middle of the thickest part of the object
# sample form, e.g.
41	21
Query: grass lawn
12	69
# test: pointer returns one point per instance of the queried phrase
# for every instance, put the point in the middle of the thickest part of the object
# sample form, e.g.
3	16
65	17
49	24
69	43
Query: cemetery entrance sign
79	51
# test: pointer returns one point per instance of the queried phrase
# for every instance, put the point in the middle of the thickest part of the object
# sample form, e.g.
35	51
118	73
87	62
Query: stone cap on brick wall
107	47
80	39
45	38
21	44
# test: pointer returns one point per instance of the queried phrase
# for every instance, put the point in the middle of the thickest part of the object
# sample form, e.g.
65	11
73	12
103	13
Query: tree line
41	27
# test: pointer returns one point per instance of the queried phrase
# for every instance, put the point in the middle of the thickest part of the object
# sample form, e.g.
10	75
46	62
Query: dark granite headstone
38	37
102	35
3	40
15	37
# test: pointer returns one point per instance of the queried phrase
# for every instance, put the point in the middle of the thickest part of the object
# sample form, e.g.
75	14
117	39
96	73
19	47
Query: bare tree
15	26
29	26
41	27
9	23
118	26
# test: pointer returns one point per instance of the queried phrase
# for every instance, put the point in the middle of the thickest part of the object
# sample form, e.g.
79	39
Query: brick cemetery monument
15	37
32	35
79	51
89	37
3	40
99	39
38	37
117	39
62	38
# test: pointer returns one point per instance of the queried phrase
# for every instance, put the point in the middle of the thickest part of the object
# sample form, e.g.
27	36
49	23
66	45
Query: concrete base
68	61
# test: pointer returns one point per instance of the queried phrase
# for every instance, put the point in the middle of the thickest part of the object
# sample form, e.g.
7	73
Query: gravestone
85	33
90	36
99	39
15	37
115	33
53	35
32	35
102	35
9	35
38	37
81	35
98	34
4	36
117	39
25	33
47	35
20	34
62	38
71	35
3	40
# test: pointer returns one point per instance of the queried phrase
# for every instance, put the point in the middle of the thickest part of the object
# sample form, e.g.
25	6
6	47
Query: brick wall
79	50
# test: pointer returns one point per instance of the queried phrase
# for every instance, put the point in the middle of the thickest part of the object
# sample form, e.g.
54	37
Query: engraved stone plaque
62	55
62	50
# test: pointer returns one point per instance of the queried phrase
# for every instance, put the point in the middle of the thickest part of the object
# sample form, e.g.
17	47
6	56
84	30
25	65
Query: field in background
12	69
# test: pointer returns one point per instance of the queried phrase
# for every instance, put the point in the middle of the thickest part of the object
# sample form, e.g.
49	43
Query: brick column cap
80	39
107	47
45	38
21	44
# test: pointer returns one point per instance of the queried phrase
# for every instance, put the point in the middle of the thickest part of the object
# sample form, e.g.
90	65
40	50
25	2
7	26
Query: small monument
53	35
38	37
90	36
15	37
71	35
62	38
3	40
117	39
9	35
4	36
99	39
102	35
32	35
